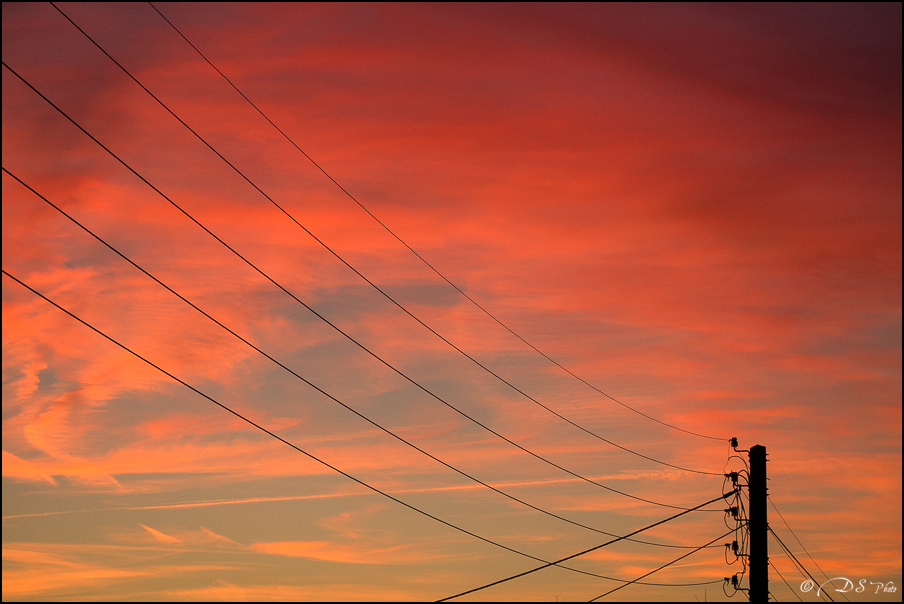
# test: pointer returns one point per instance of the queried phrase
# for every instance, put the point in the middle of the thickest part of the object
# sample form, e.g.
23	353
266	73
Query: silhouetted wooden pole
759	549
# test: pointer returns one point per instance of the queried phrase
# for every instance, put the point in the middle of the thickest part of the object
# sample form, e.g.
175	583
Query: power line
775	568
587	551
797	562
353	269
312	385
327	321
800	543
421	258
320	461
661	567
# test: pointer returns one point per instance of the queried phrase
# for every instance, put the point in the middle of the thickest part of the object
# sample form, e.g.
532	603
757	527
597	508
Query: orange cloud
35	572
337	552
162	537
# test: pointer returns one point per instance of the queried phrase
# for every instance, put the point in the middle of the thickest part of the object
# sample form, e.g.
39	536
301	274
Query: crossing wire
797	562
774	507
353	269
587	551
775	568
327	321
413	251
644	576
334	468
312	385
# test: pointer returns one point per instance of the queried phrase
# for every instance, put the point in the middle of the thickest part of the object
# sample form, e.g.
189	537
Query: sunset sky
695	208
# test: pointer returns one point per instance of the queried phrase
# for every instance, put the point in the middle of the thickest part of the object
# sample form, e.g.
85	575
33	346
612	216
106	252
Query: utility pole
759	552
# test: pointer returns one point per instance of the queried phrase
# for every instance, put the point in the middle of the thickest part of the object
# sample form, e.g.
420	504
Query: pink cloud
706	226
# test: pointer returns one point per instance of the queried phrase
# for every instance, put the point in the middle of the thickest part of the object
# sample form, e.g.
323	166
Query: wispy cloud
162	537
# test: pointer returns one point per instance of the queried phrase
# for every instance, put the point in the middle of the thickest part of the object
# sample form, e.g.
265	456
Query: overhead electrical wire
324	319
644	576
312	385
587	551
421	258
334	468
788	585
772	503
353	269
797	562
546	564
686	510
